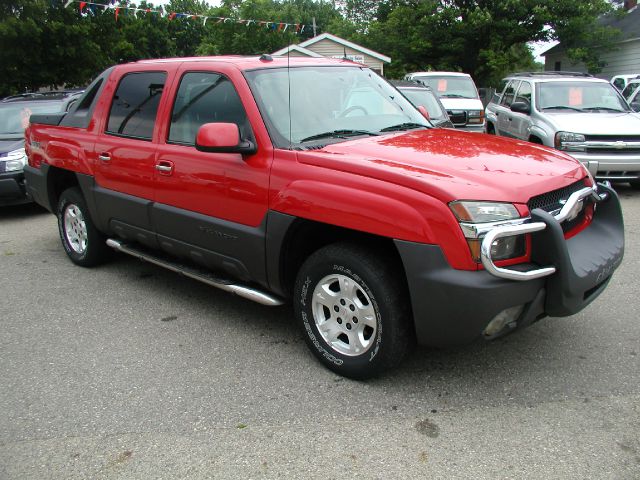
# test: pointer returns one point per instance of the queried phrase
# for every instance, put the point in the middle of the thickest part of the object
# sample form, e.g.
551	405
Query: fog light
504	318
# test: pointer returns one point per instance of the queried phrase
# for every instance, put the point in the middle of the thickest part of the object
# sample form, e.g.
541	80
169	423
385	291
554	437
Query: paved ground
128	371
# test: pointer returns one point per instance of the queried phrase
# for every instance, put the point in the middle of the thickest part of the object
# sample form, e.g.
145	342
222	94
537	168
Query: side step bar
197	274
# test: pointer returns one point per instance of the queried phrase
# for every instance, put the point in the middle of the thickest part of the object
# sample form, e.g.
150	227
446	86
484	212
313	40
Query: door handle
104	157
164	167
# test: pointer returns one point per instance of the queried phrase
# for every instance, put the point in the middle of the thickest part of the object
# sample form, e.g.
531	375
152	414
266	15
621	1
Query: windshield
450	86
14	117
425	98
579	96
329	103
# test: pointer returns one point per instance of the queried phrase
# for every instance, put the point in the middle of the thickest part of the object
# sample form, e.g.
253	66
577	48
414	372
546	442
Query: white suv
458	94
577	113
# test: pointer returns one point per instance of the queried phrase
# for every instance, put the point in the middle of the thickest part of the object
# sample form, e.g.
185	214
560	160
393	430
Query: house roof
296	48
346	43
628	24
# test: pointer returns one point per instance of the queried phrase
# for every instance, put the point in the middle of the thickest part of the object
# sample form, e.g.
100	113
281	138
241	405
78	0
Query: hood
462	103
624	123
453	165
10	145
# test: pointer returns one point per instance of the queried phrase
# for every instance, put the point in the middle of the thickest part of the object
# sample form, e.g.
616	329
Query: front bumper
453	307
12	189
614	167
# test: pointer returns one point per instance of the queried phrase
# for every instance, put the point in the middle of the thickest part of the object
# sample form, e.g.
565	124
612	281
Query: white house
623	58
331	46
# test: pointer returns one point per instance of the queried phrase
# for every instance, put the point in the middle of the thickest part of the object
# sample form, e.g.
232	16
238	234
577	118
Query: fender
536	131
391	211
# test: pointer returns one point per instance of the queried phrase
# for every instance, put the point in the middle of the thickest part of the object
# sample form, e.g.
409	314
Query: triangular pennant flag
117	11
82	5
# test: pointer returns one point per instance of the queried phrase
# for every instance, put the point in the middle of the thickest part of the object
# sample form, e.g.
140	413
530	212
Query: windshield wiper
453	95
609	109
403	126
562	107
338	134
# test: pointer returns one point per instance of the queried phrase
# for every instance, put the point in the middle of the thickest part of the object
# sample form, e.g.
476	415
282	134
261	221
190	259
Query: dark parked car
421	95
14	117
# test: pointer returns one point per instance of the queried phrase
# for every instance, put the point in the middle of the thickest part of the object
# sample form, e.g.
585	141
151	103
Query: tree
485	38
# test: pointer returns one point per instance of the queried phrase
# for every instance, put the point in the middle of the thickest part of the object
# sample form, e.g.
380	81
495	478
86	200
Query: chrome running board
201	275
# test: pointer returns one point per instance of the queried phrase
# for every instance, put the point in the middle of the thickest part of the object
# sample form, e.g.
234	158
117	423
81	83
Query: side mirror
424	112
222	138
635	106
521	107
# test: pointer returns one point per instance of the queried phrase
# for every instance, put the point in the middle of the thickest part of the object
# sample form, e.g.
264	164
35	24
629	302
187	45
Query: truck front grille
457	117
550	202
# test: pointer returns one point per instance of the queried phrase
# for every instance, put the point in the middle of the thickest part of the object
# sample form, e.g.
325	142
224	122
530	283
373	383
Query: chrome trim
477	230
510	230
507	231
240	290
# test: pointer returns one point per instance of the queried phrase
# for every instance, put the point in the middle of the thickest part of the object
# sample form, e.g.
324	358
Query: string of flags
86	8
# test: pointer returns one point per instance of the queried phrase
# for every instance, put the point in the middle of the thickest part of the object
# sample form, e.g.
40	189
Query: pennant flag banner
118	10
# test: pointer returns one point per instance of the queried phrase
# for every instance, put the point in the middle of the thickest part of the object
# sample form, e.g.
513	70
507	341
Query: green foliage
45	44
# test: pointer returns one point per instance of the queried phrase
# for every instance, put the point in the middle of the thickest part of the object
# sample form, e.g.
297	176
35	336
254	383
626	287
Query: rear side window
135	105
205	97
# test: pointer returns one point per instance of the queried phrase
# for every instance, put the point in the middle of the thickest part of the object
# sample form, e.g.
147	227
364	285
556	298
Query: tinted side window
509	93
204	97
524	93
619	83
135	104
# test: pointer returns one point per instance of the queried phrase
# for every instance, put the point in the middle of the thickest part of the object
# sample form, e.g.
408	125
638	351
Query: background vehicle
630	89
584	116
312	180
621	81
14	118
421	95
458	94
634	100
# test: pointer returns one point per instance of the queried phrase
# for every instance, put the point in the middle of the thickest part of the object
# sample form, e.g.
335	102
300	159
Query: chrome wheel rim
75	229
344	315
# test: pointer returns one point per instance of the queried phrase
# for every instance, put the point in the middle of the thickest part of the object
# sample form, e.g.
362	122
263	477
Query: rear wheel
82	242
354	309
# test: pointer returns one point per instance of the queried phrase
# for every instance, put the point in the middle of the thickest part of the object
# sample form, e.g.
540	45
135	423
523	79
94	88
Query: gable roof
296	48
628	24
346	43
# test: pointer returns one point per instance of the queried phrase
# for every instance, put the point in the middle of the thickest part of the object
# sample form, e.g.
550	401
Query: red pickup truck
315	181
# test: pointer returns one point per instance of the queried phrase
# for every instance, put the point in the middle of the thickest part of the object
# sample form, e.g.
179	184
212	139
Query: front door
211	207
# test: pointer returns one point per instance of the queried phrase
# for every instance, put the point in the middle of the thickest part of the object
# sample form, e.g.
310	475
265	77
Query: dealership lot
129	371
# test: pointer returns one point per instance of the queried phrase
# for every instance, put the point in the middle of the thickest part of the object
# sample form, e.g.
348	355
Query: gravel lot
129	371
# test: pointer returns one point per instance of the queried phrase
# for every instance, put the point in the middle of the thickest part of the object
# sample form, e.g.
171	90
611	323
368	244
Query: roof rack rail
551	73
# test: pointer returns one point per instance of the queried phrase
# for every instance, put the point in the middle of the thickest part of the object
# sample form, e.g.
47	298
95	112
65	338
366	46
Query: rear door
212	207
125	153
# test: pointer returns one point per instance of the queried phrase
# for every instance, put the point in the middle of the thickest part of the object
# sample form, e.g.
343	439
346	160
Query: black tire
385	337
635	184
491	130
82	242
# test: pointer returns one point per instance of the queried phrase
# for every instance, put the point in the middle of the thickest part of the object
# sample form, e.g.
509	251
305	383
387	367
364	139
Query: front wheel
82	242
354	309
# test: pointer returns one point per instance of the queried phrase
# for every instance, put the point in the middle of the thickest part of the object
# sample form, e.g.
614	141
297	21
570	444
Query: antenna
289	93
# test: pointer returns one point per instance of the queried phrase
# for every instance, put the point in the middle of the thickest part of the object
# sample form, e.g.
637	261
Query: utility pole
314	26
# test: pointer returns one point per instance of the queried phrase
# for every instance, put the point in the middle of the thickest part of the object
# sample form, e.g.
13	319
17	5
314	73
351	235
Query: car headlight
476	116
477	218
570	142
15	160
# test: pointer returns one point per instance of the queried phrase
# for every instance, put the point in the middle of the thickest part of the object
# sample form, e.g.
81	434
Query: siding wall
328	48
625	58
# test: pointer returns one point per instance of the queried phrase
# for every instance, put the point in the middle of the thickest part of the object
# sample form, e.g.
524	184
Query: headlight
483	212
475	220
15	160
475	116
570	142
